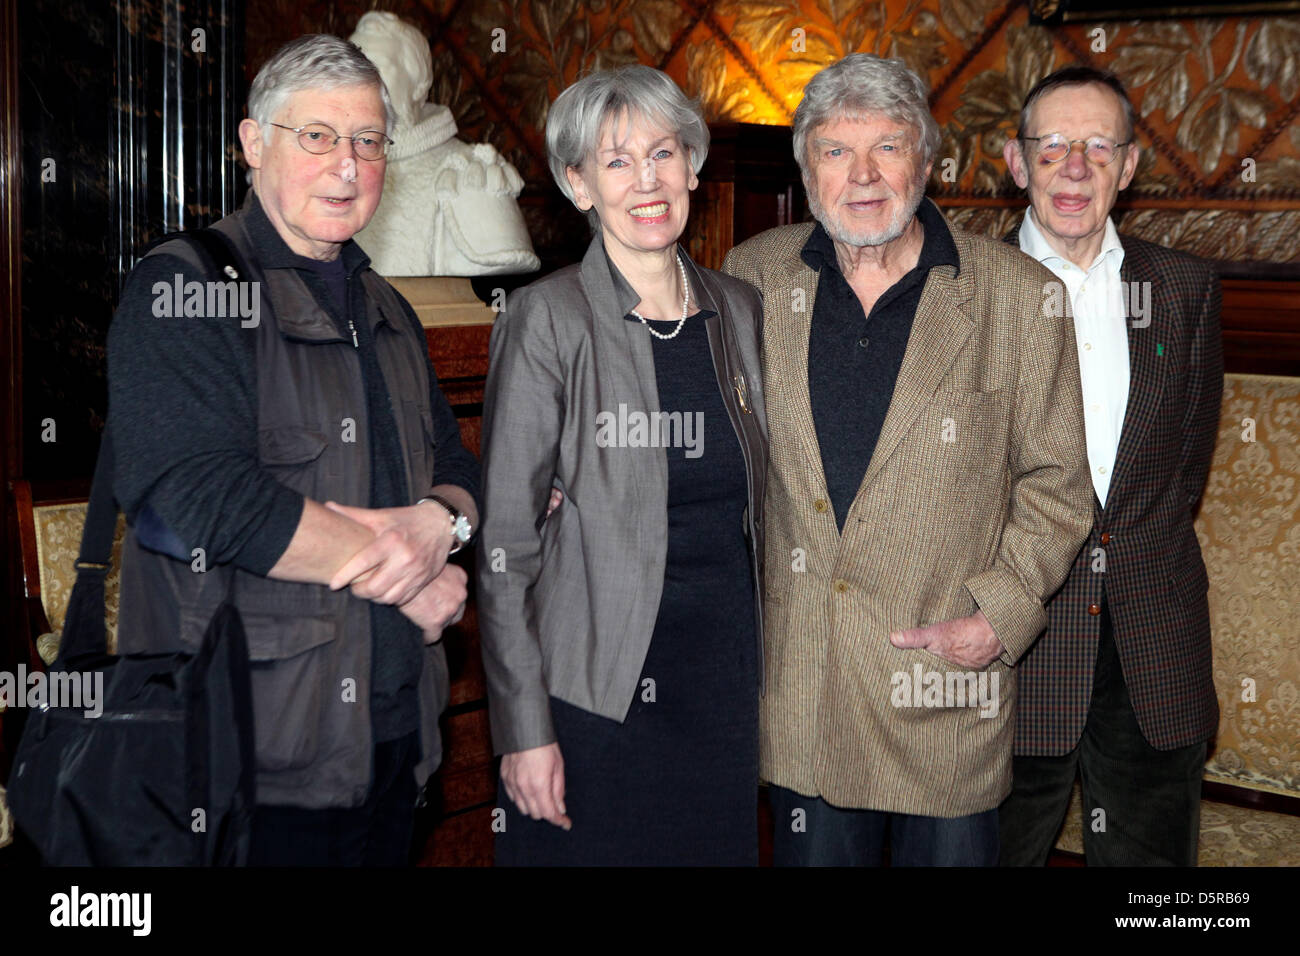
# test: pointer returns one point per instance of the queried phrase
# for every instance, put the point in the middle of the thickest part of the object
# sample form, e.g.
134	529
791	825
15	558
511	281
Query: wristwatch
460	528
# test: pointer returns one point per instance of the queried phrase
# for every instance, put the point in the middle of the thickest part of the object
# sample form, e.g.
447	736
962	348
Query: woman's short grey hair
579	116
317	61
859	86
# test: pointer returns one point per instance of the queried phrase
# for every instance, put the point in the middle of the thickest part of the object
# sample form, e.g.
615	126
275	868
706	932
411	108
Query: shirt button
1101	470
1094	609
841	585
820	505
862	342
1087	346
1095	407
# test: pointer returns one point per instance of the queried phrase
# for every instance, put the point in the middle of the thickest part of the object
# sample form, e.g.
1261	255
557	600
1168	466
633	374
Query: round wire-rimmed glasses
1054	147
319	139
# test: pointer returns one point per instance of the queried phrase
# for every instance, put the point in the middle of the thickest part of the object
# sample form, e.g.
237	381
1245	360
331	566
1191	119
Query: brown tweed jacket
977	495
1154	579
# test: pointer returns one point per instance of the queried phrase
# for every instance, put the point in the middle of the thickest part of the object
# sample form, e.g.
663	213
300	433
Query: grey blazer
567	605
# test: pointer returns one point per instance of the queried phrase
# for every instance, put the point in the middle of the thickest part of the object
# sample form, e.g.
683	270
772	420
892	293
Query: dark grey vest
310	647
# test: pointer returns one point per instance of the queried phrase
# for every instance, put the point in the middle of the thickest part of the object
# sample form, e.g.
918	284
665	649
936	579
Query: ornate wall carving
1212	94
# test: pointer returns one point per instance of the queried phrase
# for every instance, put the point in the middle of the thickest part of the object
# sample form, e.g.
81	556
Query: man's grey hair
317	61
857	87
579	116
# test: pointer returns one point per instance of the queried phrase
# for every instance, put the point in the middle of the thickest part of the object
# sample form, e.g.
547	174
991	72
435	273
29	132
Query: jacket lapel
718	325
939	331
624	359
1146	366
785	334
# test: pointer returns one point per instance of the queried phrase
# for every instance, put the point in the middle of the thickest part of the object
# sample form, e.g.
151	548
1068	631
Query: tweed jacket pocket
945	397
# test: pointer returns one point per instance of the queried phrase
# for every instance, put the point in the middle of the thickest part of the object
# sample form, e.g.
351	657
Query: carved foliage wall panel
1217	98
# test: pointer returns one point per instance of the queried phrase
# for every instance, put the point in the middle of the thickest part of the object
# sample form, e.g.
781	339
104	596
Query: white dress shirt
1097	302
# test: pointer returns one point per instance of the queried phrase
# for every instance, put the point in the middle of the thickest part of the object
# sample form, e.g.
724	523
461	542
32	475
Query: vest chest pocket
290	444
287	451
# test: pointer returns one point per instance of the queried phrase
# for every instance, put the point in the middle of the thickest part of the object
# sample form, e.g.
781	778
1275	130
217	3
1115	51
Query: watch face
461	529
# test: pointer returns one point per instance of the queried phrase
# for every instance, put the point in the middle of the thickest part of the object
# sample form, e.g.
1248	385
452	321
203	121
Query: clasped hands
405	564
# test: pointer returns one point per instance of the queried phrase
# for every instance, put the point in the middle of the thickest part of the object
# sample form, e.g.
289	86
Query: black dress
677	782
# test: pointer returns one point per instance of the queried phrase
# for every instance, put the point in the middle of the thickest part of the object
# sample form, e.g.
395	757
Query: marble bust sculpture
448	207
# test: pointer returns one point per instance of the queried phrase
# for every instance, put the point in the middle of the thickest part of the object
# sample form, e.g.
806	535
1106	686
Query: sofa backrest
1249	530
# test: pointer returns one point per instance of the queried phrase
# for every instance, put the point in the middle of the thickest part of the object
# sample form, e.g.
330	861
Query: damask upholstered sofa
1249	530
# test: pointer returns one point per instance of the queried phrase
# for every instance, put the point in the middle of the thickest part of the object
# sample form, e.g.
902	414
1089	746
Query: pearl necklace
686	298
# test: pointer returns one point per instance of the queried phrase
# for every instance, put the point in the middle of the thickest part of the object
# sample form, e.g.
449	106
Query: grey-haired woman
621	633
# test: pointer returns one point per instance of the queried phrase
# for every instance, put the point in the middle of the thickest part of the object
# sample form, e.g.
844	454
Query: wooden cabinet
456	826
749	183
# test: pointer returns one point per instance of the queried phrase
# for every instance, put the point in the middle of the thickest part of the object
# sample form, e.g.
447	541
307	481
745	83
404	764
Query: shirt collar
274	253
1033	243
937	247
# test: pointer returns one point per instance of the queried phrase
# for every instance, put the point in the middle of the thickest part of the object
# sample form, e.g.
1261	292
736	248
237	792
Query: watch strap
457	517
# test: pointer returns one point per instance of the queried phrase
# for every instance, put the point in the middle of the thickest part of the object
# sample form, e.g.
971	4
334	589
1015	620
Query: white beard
903	215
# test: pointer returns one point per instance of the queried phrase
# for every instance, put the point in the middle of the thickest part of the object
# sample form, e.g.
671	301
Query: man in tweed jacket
1119	688
927	489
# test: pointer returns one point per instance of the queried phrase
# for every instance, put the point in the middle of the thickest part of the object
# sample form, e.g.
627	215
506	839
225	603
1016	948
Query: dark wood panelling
1261	326
454	833
462	840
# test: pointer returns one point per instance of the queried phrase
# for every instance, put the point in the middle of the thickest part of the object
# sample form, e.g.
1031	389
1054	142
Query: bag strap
101	513
220	250
96	553
85	634
213	246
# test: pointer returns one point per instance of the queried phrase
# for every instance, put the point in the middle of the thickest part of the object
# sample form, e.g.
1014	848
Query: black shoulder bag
165	775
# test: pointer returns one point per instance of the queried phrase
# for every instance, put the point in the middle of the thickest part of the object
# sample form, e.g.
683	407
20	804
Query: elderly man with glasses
301	453
1119	689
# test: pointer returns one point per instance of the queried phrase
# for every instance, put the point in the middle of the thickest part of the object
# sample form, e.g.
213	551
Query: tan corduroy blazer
977	496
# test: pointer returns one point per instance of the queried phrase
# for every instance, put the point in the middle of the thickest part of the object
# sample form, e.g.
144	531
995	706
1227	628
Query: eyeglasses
320	139
1055	147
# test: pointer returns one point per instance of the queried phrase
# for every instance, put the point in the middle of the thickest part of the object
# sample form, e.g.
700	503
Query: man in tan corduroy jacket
927	489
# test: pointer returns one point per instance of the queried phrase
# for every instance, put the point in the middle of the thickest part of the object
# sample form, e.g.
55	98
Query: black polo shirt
853	359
